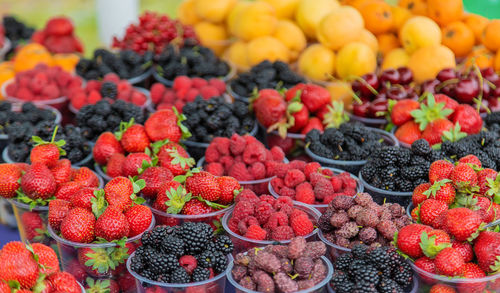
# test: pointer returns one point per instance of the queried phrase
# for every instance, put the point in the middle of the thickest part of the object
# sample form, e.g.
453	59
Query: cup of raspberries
244	158
299	266
311	184
256	221
181	258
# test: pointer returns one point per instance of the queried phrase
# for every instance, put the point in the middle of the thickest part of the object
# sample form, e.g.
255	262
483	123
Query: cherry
494	104
485	104
361	88
496	93
396	93
405	75
361	109
412	96
486	90
376	106
429	86
449	90
446	74
489	74
389	75
466	90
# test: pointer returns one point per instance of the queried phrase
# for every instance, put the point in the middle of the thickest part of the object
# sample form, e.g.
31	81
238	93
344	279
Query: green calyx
211	204
59	144
454	134
145	164
32	202
177	198
429	246
137	186
184	129
99	203
182	178
430	112
494	188
105	259
123	127
336	115
431	192
178	159
97	286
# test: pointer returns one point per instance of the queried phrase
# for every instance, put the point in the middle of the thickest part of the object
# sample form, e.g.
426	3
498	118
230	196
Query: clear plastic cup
73	256
321	207
242	243
7	216
216	284
31	222
142	77
100	172
58	103
319	288
380	196
409	208
403	144
236	96
372	122
333	250
413	289
5	48
352	166
170	83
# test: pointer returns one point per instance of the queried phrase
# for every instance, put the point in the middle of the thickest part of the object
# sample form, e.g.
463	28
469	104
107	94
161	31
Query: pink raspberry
312	167
240	172
227	162
281	170
327	172
283	201
315	177
301	225
215	168
277	219
296	213
250	139
238	159
277	183
233	225
269	155
323	188
278	154
222	145
294	177
211	154
243	209
348	181
282	233
254	152
270	168
304	193
297	164
349	192
246	195
256	232
329	198
287	191
262	211
257	170
268	198
237	144
336	183
287	210
245	223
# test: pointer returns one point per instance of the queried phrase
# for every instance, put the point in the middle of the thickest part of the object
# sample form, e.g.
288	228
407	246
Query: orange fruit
368	38
445	11
418	7
377	16
481	56
66	61
491	35
426	62
496	63
395	59
341	26
419	32
387	42
476	23
186	13
399	16
30	55
458	37
355	59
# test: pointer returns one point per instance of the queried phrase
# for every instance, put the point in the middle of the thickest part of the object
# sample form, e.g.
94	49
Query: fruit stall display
254	146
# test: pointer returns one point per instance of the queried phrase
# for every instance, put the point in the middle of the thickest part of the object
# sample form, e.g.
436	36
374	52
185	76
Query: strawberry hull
380	196
215	284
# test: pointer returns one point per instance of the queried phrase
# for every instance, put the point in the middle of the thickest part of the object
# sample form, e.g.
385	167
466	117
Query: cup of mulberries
185	258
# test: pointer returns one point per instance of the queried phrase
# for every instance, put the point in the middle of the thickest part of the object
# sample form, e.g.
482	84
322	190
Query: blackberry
388	155
200	274
223	244
342	262
420	147
368	171
341	282
321	150
163	278
195	236
387	285
359	251
356	265
368	274
179	276
413	172
219	262
206	259
379	258
173	245
109	90
419	161
148	274
160	263
136	264
365	287
403	274
155	237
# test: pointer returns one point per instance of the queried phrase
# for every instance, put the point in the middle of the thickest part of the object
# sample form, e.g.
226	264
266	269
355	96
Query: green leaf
430	112
123	127
181	117
177	199
99	203
295	107
454	134
211	204
429	247
178	159
336	115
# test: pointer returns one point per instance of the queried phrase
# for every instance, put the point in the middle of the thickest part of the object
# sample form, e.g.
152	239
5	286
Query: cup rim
205	145
384	192
57	113
455	280
15	100
188	217
379	121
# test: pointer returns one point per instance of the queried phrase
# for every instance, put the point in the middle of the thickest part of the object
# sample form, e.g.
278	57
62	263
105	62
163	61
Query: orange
476	23
426	62
458	37
341	26
399	16
480	56
355	59
30	55
186	13
418	7
491	35
419	32
377	16
445	11
387	43
6	72
496	64
66	61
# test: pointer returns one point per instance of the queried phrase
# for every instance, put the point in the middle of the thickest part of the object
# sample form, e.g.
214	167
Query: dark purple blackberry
387	285
200	274
365	287
179	276
161	263
109	90
341	282
196	236
155	237
173	245
223	244
324	221
136	264
379	258
368	274
219	262
206	259
342	262
359	251
420	147
164	278
403	274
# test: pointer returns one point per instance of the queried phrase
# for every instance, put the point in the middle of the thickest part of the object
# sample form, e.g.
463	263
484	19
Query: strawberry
86	177
196	207
269	107
133	162
114	165
203	184
294	92
38	182
313	123
408	239
443	191
487	250
173	157
9	180
102	285
83	198
59	26
462	223
433	132
401	111
463	176
470	159
440	170
468	118
139	218
166	124
314	97
62	171
33	226
408	132
434	241
449	262
485	210
449	103
47	258
171	197
229	189
133	137
300	119
45	152
482	179
154	177
441	288
430	209
18	265
118	192
78	226
425	263
66	190
431	111
472	271
418	195
112	225
105	146
64	282
58	210
465	249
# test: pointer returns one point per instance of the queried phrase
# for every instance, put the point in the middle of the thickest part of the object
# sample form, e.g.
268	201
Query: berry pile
349	221
492	122
207	119
33	268
182	254
58	36
28	114
400	169
349	142
265	75
42	83
311	184
110	87
280	268
153	32
466	184
190	60
106	116
126	64
21	143
16	31
268	218
365	269
185	90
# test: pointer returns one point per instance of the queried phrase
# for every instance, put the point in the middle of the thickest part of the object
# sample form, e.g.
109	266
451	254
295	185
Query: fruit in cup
58	36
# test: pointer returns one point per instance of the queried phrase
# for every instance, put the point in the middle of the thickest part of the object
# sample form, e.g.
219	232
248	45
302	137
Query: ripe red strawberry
462	223
482	179
139	218
401	111
196	207
118	192
58	210
463	176
314	97
465	249
114	165
434	130
133	162
38	182
313	123
408	132
440	170
426	264
449	262
486	210
301	117
229	189
166	124
269	107
133	138
430	209
487	250
173	156
47	257
449	103
59	26
64	282
45	152
441	288
445	192
62	171
66	190
472	271
408	239
470	159
18	265
112	225
154	178
86	177
83	198
105	146
9	180
418	195
162	197
203	184
33	226
78	226
468	118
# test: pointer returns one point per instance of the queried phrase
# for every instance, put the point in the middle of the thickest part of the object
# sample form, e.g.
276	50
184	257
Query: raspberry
212	154
304	193
218	84
336	183
215	168
243	209
315	177
112	77
198	82
281	170
301	225
287	191
237	144
330	197
278	153
257	170
93	85
188	262
277	183
182	82
283	201
327	172
245	223
256	232
233	225
348	181
227	162
169	97
270	168
254	152
250	139
138	98
276	219
246	195
312	167
191	94
297	164
208	92
222	145
323	188
268	198
240	172
269	155
94	97
282	233
349	192
238	159
294	177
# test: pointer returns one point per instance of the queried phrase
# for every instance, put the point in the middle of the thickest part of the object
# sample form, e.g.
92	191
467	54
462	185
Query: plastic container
58	103
236	96
5	48
409	208
142	77
169	83
333	250
72	253
151	108
372	122
100	172
321	207
351	166
242	243
216	284
380	196
403	144
414	288
319	288
31	223
7	216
